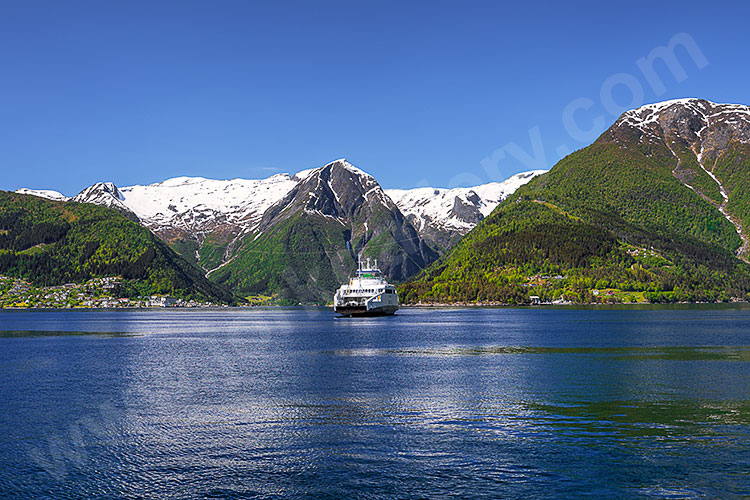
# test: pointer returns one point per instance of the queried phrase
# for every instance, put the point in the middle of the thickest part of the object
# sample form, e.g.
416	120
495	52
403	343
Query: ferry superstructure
366	294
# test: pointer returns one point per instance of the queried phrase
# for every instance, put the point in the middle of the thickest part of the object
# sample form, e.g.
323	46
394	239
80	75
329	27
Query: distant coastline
436	305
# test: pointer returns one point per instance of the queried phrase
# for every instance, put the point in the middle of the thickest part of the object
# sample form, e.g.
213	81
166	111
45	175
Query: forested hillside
54	242
617	221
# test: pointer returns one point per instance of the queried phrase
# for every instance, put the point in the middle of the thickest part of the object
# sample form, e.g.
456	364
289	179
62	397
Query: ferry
366	294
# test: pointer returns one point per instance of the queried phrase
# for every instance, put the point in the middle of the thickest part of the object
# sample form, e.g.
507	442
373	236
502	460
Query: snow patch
196	202
47	194
434	206
303	174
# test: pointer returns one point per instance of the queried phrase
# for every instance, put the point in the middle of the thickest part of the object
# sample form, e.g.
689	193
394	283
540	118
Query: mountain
200	218
105	194
308	242
204	218
655	209
209	221
710	143
47	194
55	242
443	216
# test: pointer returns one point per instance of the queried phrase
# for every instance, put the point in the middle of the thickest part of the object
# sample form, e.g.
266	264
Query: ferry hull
362	311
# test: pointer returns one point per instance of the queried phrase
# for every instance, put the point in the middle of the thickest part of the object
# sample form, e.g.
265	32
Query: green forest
290	261
606	224
52	243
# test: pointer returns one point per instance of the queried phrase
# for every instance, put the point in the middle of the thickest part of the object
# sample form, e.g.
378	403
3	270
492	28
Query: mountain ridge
684	122
667	179
635	216
337	212
204	218
443	215
408	199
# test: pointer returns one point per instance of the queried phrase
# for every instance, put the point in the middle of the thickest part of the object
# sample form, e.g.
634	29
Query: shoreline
435	305
490	305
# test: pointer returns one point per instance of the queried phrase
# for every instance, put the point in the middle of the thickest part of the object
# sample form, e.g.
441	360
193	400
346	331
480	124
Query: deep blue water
292	403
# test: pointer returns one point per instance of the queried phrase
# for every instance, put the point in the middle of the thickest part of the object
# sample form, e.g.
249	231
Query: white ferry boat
366	294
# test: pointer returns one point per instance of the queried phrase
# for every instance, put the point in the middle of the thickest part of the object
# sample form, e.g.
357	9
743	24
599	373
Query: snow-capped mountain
308	242
47	194
443	215
690	118
705	142
660	201
105	194
706	129
196	204
205	218
193	204
448	207
338	190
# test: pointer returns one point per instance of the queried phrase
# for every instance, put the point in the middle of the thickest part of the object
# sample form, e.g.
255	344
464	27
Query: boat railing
372	299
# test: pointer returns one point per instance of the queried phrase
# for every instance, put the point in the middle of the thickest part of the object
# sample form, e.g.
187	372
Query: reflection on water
457	403
55	333
733	353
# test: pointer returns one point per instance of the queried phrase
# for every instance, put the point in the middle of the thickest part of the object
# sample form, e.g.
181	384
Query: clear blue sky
136	92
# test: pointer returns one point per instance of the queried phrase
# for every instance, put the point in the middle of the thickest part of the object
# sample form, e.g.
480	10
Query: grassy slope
593	221
51	243
305	258
733	168
291	260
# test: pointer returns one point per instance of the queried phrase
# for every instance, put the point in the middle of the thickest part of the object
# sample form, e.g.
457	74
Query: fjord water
293	403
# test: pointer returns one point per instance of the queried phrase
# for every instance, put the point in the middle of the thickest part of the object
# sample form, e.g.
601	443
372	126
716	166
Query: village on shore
98	293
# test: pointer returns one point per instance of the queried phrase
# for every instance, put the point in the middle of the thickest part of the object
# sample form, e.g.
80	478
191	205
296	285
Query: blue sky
416	94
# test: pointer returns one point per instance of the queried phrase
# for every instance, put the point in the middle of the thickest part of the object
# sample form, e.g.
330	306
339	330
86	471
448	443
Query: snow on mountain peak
344	163
330	173
195	203
303	174
43	193
456	209
101	191
650	114
180	181
341	162
689	119
658	106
